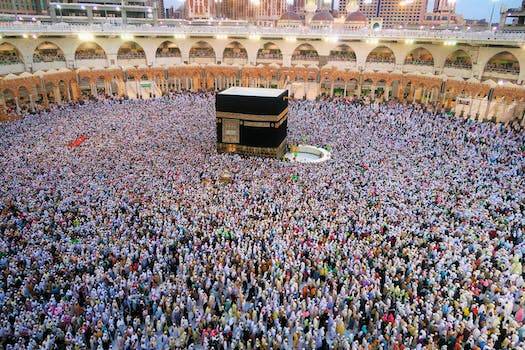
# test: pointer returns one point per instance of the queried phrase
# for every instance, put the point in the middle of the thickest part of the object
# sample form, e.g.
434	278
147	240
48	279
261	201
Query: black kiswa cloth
259	105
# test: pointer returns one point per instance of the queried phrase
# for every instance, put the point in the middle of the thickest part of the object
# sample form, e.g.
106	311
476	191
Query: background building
174	13
513	18
297	6
269	11
102	10
244	9
199	9
24	7
159	4
443	16
395	12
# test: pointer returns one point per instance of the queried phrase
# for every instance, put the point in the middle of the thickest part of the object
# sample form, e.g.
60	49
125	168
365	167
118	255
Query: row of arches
483	100
235	53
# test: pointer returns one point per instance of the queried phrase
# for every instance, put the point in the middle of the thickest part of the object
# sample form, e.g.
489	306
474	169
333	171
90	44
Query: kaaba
252	121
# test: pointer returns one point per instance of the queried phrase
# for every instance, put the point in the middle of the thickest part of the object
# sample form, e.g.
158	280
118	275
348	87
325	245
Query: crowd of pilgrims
410	237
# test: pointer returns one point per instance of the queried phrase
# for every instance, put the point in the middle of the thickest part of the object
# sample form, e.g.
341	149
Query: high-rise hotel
395	13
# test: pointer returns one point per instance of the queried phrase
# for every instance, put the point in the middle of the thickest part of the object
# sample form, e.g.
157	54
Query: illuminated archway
420	57
269	53
234	52
202	52
167	49
131	53
459	59
48	52
305	53
342	53
381	54
90	51
9	54
501	66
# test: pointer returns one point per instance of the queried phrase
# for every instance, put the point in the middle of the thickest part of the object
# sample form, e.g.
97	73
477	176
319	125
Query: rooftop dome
323	15
356	16
290	16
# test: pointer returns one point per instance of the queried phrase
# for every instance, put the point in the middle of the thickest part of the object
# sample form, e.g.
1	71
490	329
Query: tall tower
237	9
270	10
199	9
310	7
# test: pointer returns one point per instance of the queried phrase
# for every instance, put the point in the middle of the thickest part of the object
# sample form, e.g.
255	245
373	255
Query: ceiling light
126	36
85	36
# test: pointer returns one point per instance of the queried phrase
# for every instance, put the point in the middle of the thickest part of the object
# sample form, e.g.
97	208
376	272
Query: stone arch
342	52
100	85
459	59
504	63
269	52
63	89
168	49
381	54
24	99
305	53
235	52
366	86
90	51
352	85
380	87
9	97
420	57
132	52
202	51
50	91
84	84
9	54
47	52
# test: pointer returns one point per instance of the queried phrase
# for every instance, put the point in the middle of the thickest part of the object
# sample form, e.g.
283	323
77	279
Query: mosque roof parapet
65	29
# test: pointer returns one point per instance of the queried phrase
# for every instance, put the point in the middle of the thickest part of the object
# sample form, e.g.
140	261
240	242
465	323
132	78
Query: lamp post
492	13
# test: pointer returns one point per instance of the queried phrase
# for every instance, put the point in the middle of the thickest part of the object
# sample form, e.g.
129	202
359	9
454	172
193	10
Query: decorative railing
20	28
38	58
270	56
502	69
342	58
163	54
380	60
90	56
305	57
204	53
420	62
8	60
230	54
458	65
131	55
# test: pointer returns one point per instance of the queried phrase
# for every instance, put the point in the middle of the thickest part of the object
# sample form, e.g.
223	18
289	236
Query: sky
471	9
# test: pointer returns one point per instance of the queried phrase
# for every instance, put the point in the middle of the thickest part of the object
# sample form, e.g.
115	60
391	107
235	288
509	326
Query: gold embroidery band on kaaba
275	152
263	124
254	117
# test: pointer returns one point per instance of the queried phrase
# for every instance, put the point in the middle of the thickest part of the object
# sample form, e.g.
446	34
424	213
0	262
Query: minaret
310	7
